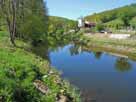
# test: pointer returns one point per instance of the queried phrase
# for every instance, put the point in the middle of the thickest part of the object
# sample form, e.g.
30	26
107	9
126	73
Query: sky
74	9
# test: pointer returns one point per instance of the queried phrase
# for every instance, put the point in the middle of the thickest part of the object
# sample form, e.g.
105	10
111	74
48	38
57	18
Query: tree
133	23
35	23
26	19
98	28
8	11
125	18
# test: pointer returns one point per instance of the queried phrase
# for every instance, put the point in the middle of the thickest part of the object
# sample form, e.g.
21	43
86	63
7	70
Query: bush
98	28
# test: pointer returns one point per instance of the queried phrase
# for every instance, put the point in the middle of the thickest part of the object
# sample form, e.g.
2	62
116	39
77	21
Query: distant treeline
117	18
29	20
60	23
25	19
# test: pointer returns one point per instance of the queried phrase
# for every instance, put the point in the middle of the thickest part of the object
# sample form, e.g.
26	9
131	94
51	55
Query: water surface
100	76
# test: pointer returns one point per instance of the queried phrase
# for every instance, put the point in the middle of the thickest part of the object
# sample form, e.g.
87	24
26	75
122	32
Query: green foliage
107	16
59	31
27	20
116	24
133	23
19	69
33	29
115	42
35	24
57	23
2	25
116	18
99	27
16	75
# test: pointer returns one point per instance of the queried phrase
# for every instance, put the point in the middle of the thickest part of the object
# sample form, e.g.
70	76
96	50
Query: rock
41	86
45	76
62	91
51	72
57	81
1	99
62	98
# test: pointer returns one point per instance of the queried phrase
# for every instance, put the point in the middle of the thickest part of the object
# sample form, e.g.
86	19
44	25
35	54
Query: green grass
19	69
116	42
124	46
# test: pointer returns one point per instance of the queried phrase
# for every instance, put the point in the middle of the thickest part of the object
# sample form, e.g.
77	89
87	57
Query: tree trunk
14	22
12	37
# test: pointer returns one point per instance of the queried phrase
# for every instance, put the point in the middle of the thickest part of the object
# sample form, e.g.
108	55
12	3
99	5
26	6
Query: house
81	22
89	24
85	24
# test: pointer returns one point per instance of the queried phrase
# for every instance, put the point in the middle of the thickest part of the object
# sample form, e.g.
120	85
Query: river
100	76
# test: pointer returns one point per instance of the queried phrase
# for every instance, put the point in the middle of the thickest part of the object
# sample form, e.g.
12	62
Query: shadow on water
45	48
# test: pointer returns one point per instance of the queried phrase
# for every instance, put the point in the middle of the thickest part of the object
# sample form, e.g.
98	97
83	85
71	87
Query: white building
80	22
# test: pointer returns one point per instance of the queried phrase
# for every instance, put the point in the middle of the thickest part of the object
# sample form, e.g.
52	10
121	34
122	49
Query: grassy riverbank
124	46
19	69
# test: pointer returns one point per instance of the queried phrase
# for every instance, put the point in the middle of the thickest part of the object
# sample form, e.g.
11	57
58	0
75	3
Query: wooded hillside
118	17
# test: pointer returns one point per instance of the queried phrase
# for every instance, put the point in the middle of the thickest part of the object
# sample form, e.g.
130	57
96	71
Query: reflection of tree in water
55	40
123	65
75	50
97	55
44	50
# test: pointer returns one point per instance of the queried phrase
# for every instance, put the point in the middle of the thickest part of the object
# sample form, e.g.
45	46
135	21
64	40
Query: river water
101	77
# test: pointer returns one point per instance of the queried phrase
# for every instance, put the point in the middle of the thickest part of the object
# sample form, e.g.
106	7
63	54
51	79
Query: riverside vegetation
104	43
115	20
20	68
24	75
119	21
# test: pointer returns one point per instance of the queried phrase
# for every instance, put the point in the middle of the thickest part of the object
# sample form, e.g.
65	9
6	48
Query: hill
60	22
122	15
60	19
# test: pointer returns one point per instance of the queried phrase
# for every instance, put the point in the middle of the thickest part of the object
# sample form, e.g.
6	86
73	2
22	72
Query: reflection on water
100	76
75	50
97	55
123	65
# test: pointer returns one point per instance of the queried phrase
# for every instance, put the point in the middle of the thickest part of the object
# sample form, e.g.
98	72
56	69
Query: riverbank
24	76
103	42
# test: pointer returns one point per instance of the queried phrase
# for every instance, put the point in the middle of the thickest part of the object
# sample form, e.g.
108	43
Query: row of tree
29	20
61	23
116	18
25	19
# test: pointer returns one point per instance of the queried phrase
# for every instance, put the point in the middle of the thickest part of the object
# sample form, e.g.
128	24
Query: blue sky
75	8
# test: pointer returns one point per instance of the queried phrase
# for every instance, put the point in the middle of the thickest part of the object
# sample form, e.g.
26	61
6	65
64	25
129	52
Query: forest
29	20
117	18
